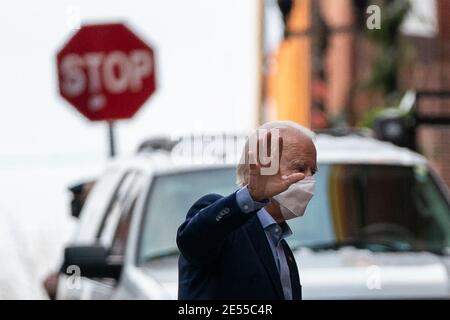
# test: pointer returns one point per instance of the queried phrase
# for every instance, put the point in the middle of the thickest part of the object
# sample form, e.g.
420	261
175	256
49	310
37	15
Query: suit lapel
262	248
295	279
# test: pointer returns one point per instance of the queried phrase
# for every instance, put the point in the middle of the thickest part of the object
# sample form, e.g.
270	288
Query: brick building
428	69
334	56
431	71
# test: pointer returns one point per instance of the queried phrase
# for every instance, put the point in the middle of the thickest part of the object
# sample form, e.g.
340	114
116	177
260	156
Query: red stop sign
106	72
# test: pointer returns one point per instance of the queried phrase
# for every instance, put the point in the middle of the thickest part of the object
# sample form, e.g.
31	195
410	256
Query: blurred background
220	67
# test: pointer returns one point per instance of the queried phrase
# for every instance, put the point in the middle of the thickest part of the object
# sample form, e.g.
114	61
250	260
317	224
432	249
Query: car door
111	232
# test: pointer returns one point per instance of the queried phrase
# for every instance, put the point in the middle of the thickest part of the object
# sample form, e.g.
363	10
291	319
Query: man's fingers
258	147
254	171
254	166
293	178
276	150
280	148
264	148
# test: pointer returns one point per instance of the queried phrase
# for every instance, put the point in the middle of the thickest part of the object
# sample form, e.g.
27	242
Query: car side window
121	234
120	237
97	204
120	202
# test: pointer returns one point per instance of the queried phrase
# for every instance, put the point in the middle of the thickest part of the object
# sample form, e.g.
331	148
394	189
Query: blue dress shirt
275	234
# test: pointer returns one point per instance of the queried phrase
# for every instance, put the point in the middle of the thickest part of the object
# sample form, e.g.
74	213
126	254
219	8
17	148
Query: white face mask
294	200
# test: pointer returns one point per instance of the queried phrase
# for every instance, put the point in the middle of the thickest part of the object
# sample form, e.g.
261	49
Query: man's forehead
299	151
298	143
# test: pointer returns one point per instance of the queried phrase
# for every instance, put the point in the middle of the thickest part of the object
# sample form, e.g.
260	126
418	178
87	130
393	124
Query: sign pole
112	142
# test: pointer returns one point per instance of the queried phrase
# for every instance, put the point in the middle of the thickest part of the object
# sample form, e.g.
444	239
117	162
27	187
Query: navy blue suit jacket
225	254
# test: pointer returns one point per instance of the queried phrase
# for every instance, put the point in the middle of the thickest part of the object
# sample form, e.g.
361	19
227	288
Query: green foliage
370	116
387	39
393	13
391	106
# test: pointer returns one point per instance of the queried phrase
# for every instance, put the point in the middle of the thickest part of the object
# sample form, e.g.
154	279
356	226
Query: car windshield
398	205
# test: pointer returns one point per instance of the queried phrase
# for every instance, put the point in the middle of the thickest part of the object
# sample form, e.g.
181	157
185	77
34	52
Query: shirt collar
269	223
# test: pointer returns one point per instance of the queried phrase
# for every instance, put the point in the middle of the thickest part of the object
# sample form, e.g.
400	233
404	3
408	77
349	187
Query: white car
378	225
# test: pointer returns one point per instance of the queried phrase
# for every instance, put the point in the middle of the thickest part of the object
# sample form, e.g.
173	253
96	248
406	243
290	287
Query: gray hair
242	166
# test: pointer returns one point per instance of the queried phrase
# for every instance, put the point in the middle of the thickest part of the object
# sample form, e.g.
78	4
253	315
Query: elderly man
234	247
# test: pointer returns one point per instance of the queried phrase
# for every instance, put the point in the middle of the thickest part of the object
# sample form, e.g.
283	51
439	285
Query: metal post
112	145
260	116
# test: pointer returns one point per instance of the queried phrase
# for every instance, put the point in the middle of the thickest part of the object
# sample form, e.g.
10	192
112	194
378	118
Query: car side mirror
92	261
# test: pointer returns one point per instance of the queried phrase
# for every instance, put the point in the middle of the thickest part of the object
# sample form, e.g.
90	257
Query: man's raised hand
260	184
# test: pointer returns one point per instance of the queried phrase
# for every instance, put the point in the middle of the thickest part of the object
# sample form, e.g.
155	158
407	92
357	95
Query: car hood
351	273
347	273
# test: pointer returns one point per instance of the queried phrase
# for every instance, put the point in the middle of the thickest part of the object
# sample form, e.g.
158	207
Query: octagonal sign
106	72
